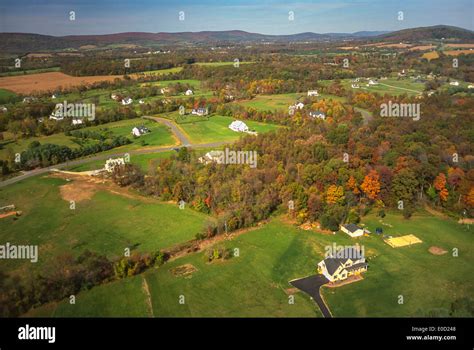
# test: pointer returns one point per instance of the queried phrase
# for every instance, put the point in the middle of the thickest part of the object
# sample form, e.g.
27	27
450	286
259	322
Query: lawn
255	283
216	129
280	101
425	281
160	135
5	95
390	86
106	223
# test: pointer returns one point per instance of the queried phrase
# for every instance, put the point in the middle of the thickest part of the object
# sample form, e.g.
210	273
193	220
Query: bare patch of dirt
437	250
183	270
77	191
291	291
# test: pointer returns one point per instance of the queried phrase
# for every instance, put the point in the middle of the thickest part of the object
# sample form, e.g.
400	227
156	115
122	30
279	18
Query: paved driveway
311	285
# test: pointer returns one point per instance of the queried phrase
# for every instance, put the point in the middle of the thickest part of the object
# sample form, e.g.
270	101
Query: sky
261	16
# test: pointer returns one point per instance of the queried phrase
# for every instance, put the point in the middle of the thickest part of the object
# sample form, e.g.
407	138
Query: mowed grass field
5	95
256	282
280	101
390	86
216	128
160	135
106	223
426	282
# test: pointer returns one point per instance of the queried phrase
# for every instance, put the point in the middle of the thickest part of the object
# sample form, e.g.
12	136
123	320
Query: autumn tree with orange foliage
371	185
351	184
440	186
334	194
469	199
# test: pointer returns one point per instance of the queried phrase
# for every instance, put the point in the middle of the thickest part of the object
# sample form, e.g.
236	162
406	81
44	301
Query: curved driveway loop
311	285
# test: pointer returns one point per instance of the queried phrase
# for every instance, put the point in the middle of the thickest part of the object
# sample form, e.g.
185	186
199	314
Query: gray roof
352	227
333	263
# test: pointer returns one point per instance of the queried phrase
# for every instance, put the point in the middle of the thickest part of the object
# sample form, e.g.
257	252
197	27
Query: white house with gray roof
349	262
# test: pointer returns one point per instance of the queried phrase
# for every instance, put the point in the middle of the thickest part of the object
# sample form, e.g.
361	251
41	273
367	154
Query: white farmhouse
470	86
239	126
454	83
313	93
77	121
341	265
188	92
111	163
373	82
355	86
141	102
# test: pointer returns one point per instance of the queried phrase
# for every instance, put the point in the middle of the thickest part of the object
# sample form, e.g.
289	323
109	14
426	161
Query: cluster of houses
313	114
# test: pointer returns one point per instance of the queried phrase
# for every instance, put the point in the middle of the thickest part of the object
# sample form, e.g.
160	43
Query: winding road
182	138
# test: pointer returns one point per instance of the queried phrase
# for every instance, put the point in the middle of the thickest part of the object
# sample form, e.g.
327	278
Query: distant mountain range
22	43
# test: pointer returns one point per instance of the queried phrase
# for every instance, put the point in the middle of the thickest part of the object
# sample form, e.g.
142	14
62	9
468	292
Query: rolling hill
23	42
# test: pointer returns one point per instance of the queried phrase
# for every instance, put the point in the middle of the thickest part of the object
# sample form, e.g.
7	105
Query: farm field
390	86
280	101
255	283
216	128
103	221
27	84
160	135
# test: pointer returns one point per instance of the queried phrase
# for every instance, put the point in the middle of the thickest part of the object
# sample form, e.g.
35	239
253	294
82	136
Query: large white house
188	92
352	230
140	130
355	86
454	83
313	93
239	126
111	163
340	266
